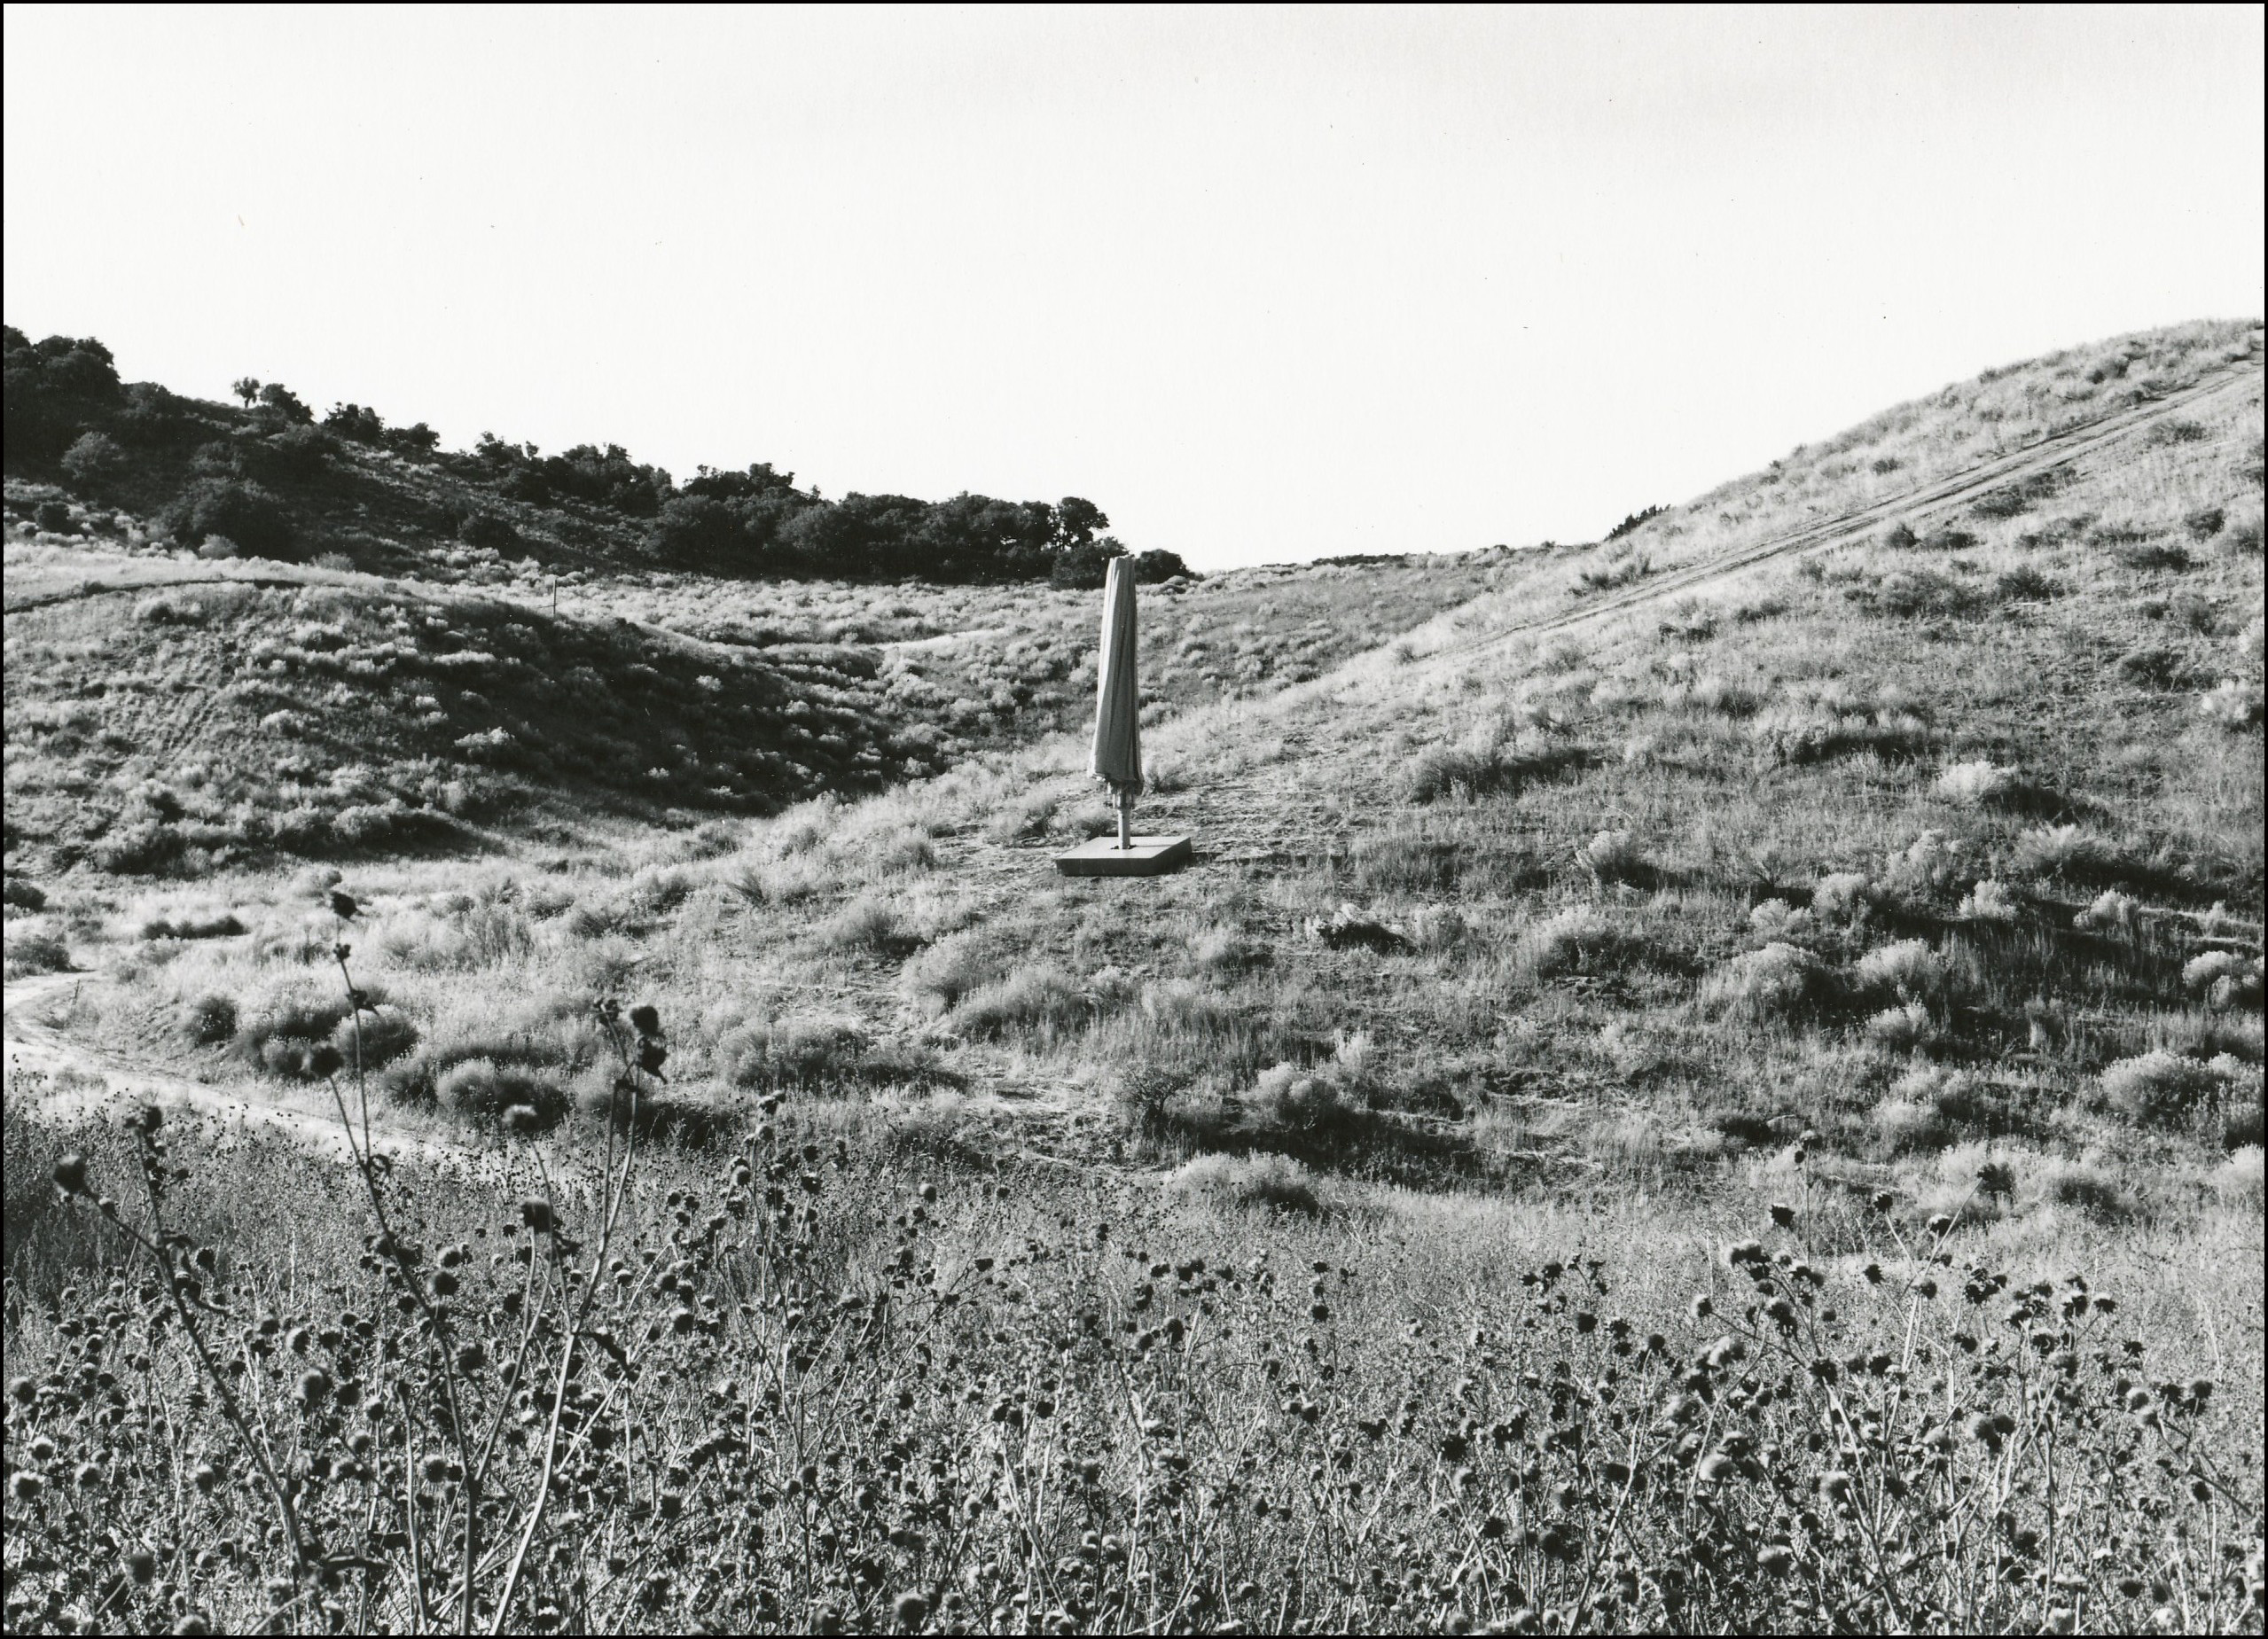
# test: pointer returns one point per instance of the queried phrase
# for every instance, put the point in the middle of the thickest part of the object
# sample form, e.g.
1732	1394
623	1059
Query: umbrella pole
1126	816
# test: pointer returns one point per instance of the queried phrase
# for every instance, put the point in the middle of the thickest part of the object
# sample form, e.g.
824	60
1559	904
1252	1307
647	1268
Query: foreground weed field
815	1383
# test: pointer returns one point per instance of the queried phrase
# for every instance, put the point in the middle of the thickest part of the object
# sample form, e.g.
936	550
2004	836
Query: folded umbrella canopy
1118	699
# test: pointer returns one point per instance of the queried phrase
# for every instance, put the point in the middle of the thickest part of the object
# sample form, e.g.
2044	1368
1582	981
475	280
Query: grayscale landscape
1707	1078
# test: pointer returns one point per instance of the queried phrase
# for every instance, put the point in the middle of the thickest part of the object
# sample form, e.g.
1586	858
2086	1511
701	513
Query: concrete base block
1150	856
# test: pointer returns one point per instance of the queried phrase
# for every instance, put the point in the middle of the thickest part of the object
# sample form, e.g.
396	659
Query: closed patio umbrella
1118	699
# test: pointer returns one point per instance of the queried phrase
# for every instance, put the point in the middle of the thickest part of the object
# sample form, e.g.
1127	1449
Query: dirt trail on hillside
1296	805
87	1083
1921	503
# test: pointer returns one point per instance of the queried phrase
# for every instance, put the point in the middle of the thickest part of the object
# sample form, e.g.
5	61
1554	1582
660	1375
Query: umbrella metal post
1125	816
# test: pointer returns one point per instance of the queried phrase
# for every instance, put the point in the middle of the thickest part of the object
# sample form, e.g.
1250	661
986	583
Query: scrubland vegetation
267	479
1739	1112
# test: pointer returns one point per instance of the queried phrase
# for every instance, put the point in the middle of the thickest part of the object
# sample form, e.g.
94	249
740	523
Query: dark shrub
1435	775
2205	523
243	511
283	402
2176	431
37	953
25	895
2165	1088
217	458
488	529
54	388
2156	668
354	421
210	1019
1633	520
2242	1125
1917	594
692	528
282	1037
52	516
2023	494
93	463
1084	568
1746	1127
2026	584
386	1036
299	451
151	416
482	1089
2156	555
224	925
1156	564
139	849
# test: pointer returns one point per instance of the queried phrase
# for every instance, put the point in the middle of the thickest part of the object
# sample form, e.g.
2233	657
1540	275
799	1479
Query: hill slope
181	721
168	713
1919	828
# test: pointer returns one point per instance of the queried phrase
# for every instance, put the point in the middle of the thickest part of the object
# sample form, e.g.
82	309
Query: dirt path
84	1082
1922	504
1300	804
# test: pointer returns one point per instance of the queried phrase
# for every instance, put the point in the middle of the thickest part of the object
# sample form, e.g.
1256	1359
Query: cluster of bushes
757	520
1630	523
67	406
54	388
1488	771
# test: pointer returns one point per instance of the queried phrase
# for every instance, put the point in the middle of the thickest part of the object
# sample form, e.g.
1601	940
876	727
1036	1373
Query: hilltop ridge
266	478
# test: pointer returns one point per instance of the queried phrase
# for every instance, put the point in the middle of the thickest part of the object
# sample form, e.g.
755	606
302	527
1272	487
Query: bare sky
1263	283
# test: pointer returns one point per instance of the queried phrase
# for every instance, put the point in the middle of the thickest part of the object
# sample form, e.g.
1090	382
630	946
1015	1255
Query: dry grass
1825	895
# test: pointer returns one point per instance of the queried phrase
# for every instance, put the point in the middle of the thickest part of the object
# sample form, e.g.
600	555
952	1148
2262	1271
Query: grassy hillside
1632	880
1646	1093
176	730
170	714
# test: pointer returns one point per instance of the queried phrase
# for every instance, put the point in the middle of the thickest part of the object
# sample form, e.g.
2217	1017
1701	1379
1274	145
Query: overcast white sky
1263	283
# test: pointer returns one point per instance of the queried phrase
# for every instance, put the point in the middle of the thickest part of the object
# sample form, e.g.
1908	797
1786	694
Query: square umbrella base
1150	856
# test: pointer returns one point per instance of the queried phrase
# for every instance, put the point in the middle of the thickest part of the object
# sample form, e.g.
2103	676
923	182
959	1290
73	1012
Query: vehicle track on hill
1247	817
1921	503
